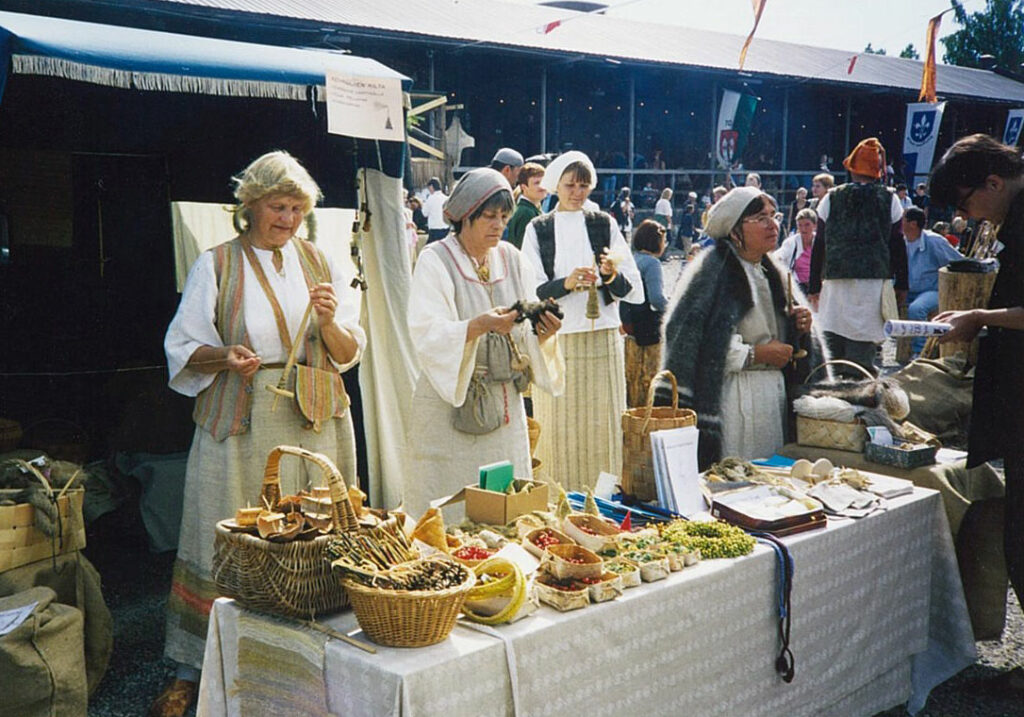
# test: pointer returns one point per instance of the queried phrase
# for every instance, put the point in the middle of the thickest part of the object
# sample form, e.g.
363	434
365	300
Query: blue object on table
641	515
775	461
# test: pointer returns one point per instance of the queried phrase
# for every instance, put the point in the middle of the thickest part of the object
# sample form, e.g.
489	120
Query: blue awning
148	60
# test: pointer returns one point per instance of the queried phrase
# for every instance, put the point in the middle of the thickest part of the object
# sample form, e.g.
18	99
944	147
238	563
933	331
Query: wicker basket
637	424
408	618
292	579
836	435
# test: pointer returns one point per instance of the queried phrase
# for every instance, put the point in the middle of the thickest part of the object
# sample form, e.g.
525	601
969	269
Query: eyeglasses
962	204
765	220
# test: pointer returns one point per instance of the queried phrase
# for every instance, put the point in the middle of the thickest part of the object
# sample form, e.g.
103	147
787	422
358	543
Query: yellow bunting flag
928	76
758	9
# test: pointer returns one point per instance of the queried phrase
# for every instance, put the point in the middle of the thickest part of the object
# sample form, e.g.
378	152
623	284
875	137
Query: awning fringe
158	81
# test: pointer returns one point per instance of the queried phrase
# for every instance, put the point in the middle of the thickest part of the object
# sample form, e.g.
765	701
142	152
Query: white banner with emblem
919	138
1014	121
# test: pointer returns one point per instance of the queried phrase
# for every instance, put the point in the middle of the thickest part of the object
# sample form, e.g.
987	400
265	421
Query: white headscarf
557	167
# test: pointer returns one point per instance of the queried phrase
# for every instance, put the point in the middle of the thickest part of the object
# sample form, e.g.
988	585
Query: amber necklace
482	268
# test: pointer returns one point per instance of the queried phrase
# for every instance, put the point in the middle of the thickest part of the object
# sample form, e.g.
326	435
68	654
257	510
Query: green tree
910	53
998	30
872	51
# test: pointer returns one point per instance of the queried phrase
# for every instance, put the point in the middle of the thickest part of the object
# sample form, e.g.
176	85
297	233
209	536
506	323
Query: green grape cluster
713	539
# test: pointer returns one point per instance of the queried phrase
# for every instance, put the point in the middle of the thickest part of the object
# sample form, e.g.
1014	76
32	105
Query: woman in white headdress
576	253
476	355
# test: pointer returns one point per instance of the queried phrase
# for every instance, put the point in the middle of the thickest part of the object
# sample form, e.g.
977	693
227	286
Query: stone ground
136	583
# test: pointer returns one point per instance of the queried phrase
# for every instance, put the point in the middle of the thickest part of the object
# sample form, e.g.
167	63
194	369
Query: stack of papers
888	486
675	470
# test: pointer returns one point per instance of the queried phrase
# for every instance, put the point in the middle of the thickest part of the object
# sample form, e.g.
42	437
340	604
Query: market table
878	619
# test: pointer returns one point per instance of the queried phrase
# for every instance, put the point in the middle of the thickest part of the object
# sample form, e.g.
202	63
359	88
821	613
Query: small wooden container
561	599
591	532
609	588
625	569
571	562
536	550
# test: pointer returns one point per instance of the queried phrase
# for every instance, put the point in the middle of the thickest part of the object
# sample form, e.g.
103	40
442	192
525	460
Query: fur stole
712	297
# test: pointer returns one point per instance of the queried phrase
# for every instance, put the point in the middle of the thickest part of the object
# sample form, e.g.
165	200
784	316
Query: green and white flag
735	115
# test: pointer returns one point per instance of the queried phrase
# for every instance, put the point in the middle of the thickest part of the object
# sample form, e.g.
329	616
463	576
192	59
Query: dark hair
527	172
624	193
916	215
499	201
434	182
966	165
901	186
649	236
579	172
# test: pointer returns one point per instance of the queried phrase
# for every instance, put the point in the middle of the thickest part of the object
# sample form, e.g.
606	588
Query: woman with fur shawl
729	340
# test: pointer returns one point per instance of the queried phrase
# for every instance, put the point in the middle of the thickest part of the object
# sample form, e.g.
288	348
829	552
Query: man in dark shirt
984	179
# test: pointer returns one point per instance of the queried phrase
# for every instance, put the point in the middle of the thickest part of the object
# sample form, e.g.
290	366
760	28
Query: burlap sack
940	394
42	661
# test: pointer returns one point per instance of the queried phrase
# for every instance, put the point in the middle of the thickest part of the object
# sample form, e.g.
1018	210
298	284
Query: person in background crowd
642	322
858	252
958	229
507	161
984	179
728	338
820	186
663	210
416	205
623	210
927	252
944	229
531	194
716	194
921	199
795	251
684	238
799	204
410	227
901	194
753	180
433	210
571	250
458	316
243	303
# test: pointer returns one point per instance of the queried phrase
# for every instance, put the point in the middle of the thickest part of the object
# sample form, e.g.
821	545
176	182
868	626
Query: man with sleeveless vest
857	257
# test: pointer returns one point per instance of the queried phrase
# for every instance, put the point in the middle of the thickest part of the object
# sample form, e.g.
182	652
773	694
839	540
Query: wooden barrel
959	291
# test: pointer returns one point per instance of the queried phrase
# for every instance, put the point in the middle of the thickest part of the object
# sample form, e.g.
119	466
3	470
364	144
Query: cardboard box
491	508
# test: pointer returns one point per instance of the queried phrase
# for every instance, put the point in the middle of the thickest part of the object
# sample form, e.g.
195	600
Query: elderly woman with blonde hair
242	307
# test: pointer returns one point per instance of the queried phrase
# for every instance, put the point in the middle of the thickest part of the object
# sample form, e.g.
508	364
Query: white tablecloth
878	619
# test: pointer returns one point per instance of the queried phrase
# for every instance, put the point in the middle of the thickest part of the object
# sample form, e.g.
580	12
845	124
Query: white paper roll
897	329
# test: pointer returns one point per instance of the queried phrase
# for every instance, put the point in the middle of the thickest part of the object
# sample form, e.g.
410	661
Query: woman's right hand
581	276
774	353
500	320
242	360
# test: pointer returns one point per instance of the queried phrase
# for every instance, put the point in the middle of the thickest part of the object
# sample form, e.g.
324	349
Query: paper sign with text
365	107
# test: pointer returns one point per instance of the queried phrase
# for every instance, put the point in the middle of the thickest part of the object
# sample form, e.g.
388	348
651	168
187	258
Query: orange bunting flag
758	9
928	76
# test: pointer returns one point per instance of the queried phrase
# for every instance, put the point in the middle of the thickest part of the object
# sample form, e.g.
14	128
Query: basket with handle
836	435
637	424
292	579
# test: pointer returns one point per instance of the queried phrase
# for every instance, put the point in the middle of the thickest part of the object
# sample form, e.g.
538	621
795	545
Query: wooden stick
331	632
278	390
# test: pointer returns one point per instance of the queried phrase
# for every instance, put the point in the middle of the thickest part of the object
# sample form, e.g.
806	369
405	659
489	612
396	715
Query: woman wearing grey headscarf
474	358
728	339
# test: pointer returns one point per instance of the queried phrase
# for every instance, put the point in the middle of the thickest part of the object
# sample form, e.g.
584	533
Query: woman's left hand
547	326
802	316
325	303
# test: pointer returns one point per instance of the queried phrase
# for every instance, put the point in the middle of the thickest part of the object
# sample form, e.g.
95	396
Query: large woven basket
408	618
637	424
292	579
837	435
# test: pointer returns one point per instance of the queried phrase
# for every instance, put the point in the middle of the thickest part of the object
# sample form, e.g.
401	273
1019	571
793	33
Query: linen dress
222	476
446	294
581	431
753	407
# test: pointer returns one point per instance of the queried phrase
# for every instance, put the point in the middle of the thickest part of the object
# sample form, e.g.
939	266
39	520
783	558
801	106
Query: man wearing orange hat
856	258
